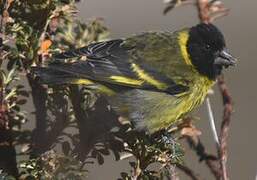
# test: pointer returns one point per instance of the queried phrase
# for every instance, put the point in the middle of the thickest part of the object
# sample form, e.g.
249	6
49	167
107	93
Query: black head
207	49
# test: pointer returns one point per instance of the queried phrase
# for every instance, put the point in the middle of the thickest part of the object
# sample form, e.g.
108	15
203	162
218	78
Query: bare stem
209	159
188	171
227	101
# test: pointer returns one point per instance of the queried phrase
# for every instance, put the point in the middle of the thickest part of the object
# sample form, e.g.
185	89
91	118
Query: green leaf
66	147
100	159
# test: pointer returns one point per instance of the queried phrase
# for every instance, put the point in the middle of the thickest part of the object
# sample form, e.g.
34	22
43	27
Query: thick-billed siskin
153	79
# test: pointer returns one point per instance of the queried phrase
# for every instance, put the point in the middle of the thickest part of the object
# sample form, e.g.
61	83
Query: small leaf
25	148
21	101
132	164
23	93
171	5
191	131
66	147
11	63
124	175
10	76
100	159
94	153
19	86
10	94
104	151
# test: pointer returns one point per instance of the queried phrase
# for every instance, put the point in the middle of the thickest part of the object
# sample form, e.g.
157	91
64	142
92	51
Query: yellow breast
172	109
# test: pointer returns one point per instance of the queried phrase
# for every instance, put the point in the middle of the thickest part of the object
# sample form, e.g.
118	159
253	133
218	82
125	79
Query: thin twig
136	171
173	172
39	98
219	14
188	171
203	10
83	121
209	159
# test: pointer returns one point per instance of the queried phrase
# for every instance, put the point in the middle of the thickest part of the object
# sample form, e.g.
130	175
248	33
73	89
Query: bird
152	79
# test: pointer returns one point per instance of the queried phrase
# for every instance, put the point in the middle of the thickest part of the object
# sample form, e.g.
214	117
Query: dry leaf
45	46
190	131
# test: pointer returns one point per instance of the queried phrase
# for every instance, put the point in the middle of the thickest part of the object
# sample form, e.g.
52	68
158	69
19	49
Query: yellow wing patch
99	87
126	80
148	78
182	39
83	82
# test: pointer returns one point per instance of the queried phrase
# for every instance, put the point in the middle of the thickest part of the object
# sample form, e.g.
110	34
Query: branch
94	124
39	98
209	159
227	102
84	123
187	171
61	117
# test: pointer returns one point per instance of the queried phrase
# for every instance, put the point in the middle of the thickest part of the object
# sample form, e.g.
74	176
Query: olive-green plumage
152	79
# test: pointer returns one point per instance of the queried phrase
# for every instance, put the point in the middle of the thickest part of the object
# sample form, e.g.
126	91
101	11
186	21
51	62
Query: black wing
111	62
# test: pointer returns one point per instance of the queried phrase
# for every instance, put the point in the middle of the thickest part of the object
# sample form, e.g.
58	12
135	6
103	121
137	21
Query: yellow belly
172	109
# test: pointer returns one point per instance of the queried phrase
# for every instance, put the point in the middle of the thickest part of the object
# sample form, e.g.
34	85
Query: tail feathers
52	76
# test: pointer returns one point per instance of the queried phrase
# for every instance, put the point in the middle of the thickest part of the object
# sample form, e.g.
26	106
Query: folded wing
110	62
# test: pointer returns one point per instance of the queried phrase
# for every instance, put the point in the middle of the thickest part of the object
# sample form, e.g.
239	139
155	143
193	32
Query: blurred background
124	18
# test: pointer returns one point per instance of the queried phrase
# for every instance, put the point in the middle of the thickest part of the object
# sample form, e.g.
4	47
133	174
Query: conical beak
225	58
